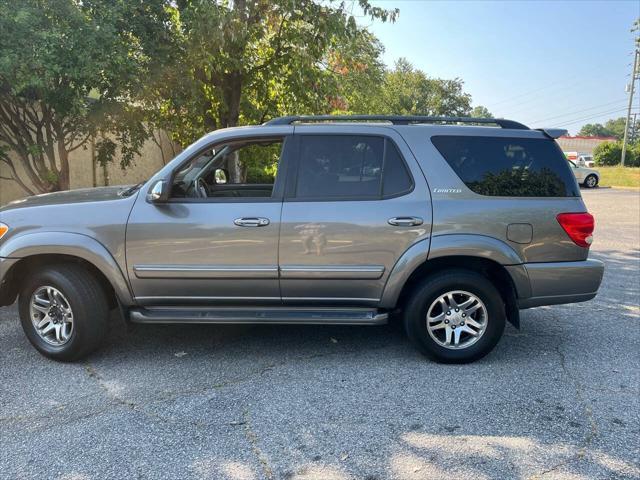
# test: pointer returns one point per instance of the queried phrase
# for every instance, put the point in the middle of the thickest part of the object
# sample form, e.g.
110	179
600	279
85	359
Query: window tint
519	167
233	170
339	166
396	177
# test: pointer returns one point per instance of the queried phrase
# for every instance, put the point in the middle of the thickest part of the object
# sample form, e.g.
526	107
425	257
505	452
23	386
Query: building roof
583	137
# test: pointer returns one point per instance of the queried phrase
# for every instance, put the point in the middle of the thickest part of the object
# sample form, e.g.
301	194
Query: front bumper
562	282
7	290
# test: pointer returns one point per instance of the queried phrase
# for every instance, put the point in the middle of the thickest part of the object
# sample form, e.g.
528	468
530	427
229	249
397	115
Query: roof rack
395	119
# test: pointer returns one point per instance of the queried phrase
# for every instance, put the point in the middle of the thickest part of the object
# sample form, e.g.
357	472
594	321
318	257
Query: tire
591	181
465	285
80	304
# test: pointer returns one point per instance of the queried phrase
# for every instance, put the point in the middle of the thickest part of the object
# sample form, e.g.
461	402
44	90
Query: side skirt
270	315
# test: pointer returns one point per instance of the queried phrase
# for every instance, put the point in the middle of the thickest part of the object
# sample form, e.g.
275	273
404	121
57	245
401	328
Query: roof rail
395	119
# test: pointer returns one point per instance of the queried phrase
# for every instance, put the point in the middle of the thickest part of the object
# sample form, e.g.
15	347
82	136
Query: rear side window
396	179
350	167
509	167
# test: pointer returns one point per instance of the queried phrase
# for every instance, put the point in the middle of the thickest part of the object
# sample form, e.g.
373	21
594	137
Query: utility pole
626	124
634	128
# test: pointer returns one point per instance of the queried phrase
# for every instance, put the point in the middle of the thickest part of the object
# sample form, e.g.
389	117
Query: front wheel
455	317
591	181
64	311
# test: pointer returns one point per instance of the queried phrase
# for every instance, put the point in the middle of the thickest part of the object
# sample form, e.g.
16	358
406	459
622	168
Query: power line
580	111
536	90
595	115
561	86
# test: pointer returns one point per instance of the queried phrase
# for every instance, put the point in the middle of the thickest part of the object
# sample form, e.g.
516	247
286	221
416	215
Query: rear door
354	203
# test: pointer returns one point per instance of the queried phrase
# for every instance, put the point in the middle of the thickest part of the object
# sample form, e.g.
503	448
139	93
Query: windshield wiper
131	190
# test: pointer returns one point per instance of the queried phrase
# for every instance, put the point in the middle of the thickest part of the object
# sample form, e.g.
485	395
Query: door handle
251	222
405	221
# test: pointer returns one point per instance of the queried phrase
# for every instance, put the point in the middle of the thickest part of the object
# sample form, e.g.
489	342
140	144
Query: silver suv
450	225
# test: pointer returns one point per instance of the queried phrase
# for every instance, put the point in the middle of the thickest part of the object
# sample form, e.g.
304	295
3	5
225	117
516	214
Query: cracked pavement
558	399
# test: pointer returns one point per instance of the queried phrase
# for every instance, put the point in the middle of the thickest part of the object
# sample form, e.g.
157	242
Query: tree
481	112
594	130
69	70
609	153
612	128
616	127
246	61
409	91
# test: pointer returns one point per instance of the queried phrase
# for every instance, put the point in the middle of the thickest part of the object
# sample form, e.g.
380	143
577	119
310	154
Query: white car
587	177
580	159
586	161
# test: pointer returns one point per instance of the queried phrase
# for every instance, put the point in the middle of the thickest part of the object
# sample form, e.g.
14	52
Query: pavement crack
588	410
252	438
257	372
108	390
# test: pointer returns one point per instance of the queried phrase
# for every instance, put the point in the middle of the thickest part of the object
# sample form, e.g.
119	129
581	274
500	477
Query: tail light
579	227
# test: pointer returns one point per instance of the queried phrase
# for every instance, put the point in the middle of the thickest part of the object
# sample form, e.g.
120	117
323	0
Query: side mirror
221	176
159	193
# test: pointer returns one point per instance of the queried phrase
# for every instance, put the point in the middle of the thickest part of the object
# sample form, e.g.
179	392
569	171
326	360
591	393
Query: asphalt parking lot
557	399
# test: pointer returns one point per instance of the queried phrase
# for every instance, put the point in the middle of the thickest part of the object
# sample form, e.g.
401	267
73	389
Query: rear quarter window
509	167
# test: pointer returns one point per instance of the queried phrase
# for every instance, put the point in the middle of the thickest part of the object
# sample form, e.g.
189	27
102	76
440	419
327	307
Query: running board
272	315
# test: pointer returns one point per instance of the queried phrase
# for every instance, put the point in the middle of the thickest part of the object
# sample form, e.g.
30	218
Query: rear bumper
562	282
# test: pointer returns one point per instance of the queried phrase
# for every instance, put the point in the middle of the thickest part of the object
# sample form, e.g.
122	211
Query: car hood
83	195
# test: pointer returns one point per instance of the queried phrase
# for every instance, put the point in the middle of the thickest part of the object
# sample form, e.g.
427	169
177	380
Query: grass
619	176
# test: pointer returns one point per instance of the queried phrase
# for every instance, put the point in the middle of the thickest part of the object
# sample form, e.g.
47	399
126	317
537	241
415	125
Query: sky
543	63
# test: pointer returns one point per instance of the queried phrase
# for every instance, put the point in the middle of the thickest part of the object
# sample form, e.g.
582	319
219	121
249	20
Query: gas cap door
520	232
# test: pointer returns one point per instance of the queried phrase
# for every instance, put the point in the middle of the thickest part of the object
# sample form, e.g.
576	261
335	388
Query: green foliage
406	90
594	130
68	70
481	112
260	163
116	71
616	127
610	153
520	183
244	61
611	128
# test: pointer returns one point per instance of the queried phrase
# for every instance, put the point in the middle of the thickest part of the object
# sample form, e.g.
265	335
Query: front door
216	240
354	204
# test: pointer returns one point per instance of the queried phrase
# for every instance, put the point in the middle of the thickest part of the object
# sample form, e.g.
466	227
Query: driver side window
234	170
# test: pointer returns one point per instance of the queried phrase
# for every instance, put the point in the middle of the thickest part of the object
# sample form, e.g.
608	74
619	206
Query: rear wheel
64	312
591	181
455	316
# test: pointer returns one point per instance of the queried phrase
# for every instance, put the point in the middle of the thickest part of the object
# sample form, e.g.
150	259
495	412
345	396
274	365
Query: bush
609	153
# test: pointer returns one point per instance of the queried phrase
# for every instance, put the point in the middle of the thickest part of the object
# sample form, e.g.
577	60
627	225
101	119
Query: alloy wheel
457	319
51	315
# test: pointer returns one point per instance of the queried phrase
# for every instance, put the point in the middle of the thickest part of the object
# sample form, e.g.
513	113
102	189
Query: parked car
580	159
448	224
586	161
588	177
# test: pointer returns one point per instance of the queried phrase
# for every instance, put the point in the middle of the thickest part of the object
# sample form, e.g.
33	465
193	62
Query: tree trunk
231	95
63	173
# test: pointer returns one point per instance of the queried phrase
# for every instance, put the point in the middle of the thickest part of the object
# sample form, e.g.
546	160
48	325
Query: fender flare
75	245
454	245
470	245
411	259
